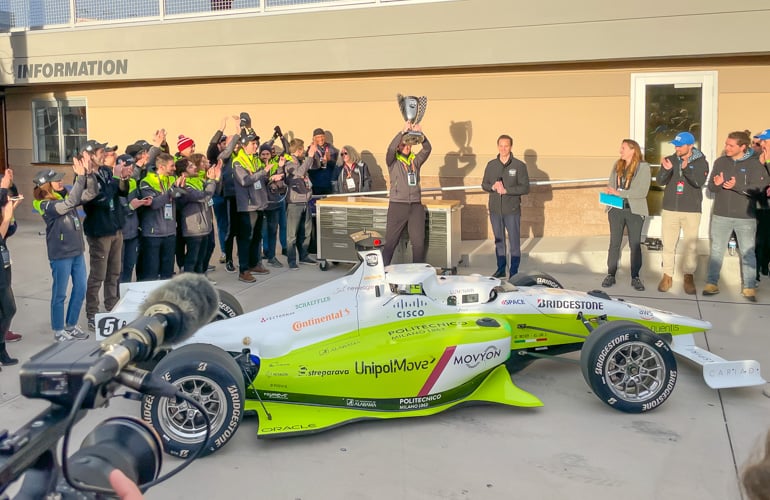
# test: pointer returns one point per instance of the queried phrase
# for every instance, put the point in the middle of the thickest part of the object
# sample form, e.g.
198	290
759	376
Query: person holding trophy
405	209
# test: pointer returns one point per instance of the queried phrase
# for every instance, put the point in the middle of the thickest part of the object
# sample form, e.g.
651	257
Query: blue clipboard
611	200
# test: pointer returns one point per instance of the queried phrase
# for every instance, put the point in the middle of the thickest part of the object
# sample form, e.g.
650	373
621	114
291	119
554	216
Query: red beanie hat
184	143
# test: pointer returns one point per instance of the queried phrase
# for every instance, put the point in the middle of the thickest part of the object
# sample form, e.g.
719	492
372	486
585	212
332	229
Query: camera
82	375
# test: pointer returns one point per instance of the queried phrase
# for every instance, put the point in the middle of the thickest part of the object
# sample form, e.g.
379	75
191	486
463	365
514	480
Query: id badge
308	184
211	202
351	183
680	187
411	179
258	185
6	255
76	222
168	211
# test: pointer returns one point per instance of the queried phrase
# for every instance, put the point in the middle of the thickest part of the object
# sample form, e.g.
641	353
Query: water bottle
731	245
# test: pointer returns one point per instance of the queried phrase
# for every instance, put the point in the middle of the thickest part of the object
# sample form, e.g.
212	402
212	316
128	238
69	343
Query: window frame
59	105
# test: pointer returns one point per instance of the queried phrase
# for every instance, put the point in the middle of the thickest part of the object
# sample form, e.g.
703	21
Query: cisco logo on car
414	313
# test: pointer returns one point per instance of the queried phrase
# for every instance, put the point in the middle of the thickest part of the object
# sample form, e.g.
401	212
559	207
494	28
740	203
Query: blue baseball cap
683	139
764	135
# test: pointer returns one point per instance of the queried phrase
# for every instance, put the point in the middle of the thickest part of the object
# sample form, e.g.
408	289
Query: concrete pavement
573	447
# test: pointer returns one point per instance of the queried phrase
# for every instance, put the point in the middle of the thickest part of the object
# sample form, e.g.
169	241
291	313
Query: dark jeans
621	218
270	232
232	227
106	259
130	254
223	221
7	307
298	227
249	239
197	250
158	257
512	224
411	216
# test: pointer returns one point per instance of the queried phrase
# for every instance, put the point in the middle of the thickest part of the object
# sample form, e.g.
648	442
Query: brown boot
258	269
665	283
247	277
689	285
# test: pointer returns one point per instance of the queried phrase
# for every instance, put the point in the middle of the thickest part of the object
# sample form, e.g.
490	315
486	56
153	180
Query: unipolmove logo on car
393	366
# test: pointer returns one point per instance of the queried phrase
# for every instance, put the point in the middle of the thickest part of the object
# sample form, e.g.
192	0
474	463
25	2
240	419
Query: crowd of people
149	214
740	184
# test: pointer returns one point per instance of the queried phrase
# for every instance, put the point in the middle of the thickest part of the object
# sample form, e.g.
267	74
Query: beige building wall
567	122
394	36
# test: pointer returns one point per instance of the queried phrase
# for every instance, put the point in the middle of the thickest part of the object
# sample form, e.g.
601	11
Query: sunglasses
344	153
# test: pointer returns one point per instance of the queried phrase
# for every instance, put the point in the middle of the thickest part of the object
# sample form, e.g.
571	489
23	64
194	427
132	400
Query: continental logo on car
319	320
577	305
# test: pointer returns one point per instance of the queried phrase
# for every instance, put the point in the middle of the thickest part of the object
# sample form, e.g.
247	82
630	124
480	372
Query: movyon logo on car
465	361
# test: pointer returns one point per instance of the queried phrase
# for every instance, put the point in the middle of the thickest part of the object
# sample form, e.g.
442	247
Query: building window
60	129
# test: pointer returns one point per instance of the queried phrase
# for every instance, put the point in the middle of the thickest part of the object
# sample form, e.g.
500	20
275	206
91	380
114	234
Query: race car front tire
210	376
628	366
228	306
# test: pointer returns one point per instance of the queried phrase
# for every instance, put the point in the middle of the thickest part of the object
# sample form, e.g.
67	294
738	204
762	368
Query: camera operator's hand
124	487
7	179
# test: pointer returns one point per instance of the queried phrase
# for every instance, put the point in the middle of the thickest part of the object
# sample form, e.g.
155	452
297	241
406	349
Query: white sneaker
76	332
66	336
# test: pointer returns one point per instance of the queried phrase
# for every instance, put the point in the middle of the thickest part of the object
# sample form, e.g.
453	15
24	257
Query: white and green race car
403	341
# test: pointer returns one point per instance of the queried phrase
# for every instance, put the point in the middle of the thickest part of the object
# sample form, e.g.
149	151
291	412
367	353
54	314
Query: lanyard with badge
411	175
350	182
168	208
680	182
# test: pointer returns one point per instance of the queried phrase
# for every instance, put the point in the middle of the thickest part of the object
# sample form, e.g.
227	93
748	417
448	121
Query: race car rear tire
533	279
228	306
212	377
628	366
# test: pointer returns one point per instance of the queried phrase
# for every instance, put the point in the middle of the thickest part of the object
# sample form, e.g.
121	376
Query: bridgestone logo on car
664	395
234	418
473	360
583	305
394	366
607	348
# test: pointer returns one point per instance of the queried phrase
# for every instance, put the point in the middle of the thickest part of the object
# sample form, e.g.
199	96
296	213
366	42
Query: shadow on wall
378	177
533	205
457	165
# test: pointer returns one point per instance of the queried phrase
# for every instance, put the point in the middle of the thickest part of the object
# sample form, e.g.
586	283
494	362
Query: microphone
172	313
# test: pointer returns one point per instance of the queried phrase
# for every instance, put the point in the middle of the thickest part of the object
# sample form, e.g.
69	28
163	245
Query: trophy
412	109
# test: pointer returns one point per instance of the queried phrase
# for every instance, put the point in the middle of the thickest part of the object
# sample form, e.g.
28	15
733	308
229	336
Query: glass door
662	105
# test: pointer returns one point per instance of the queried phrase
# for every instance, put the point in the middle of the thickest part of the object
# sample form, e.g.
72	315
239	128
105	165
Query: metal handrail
466	188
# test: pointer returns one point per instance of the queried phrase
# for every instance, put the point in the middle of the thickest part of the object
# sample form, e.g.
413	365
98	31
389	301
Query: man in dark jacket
737	179
298	220
103	228
506	180
682	176
405	209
